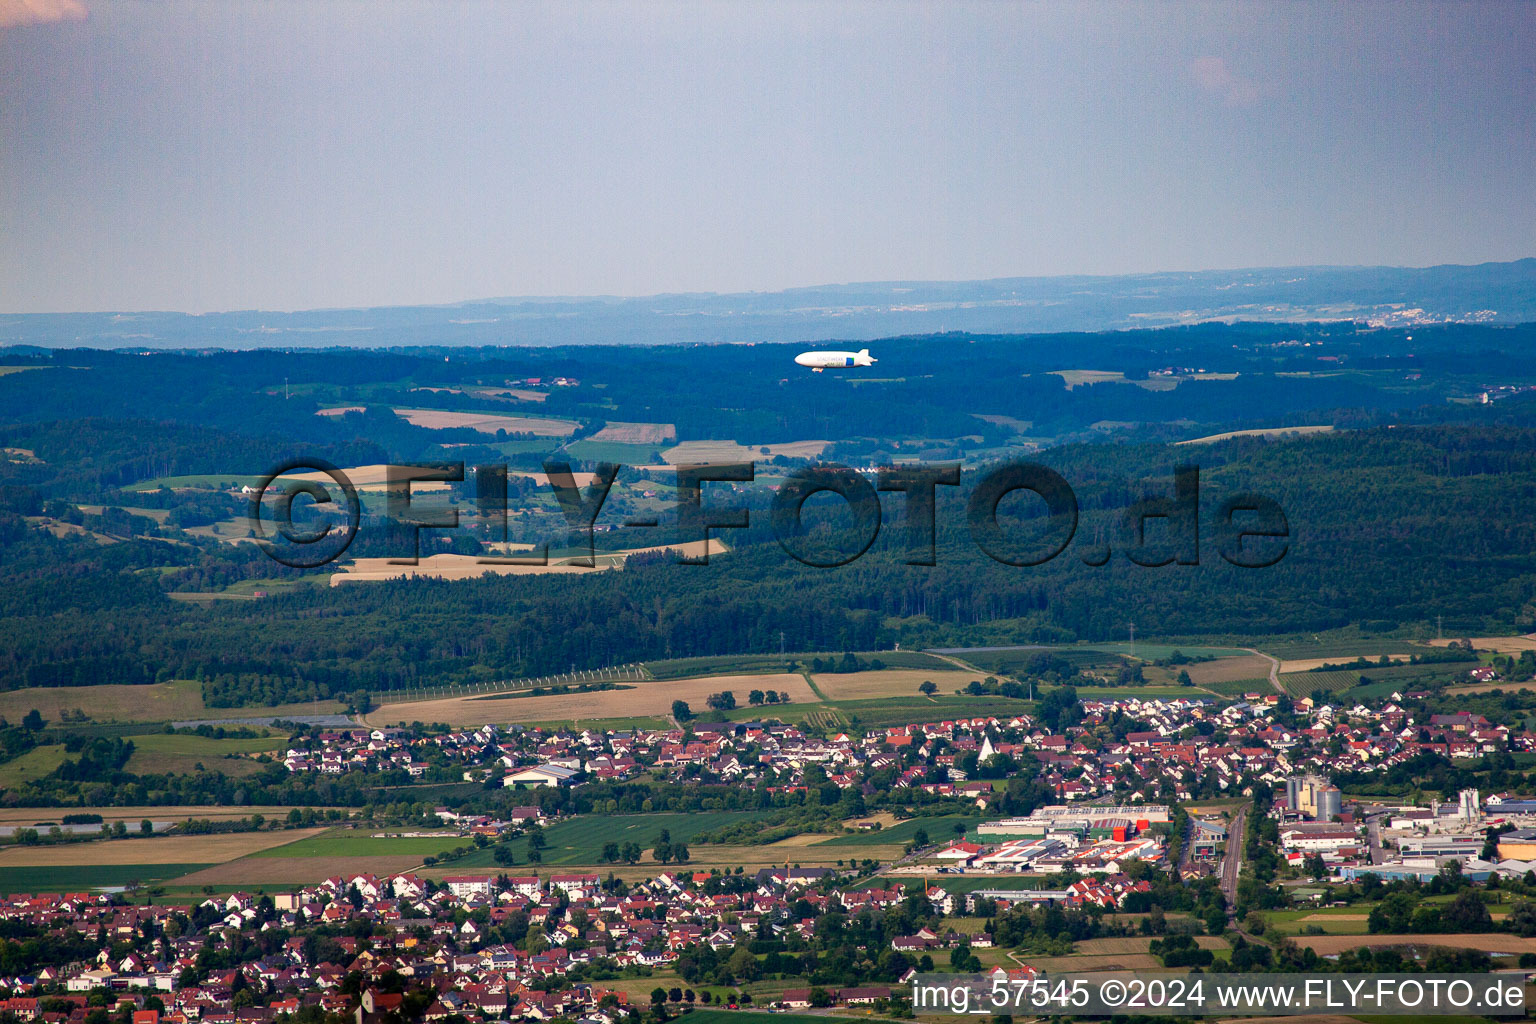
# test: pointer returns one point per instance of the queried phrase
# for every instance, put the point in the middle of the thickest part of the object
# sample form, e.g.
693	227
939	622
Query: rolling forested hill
1419	502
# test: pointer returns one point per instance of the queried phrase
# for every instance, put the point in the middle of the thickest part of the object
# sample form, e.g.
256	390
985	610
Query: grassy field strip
34	764
78	877
178	700
939	829
159	753
345	842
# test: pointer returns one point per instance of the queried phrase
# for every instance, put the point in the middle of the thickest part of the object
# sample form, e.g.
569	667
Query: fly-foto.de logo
1247	530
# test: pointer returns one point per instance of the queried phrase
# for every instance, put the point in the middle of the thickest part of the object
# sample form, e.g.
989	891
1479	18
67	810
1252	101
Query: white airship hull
819	361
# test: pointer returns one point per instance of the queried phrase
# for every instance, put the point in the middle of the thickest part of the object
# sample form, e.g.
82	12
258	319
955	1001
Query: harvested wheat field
1249	666
370	478
641	699
134	815
1324	918
169	850
636	433
179	700
464	567
457	567
1264	432
889	682
1501	644
1488	687
295	871
800	841
339	410
715	452
885	818
487	423
1487	942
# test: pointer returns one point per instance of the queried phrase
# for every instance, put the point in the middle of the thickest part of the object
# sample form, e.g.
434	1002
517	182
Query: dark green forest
1420	503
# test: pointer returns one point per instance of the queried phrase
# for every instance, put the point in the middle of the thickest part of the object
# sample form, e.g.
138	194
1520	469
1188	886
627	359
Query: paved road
1274	669
1232	863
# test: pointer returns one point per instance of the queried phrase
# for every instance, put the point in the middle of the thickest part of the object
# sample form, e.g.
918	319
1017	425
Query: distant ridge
1393	296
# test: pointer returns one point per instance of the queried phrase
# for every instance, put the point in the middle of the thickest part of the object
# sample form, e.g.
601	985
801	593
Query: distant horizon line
604	297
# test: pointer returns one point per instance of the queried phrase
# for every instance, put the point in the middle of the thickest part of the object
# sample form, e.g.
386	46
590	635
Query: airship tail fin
864	358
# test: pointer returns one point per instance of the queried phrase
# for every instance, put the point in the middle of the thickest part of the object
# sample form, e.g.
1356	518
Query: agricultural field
159	753
645	699
1335	648
616	724
179	700
1154	651
1238	687
1292	665
636	433
1078	378
741	664
887	712
1138	944
488	423
201	482
689	452
371	478
589	449
940	828
1124	953
209	849
1226	670
1487	942
134	815
505	394
1381	681
581	840
159	515
899	682
77	877
1091	656
1265	432
34	764
1498	644
1332	920
347	842
459	567
749	1017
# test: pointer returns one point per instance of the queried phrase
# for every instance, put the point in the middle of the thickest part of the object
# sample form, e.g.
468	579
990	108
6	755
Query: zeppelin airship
819	361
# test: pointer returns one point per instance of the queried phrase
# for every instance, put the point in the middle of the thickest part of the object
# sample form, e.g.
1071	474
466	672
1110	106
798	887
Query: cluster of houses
462	937
1184	746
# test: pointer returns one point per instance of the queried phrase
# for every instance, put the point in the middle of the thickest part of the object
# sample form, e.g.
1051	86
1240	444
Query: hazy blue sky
224	154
